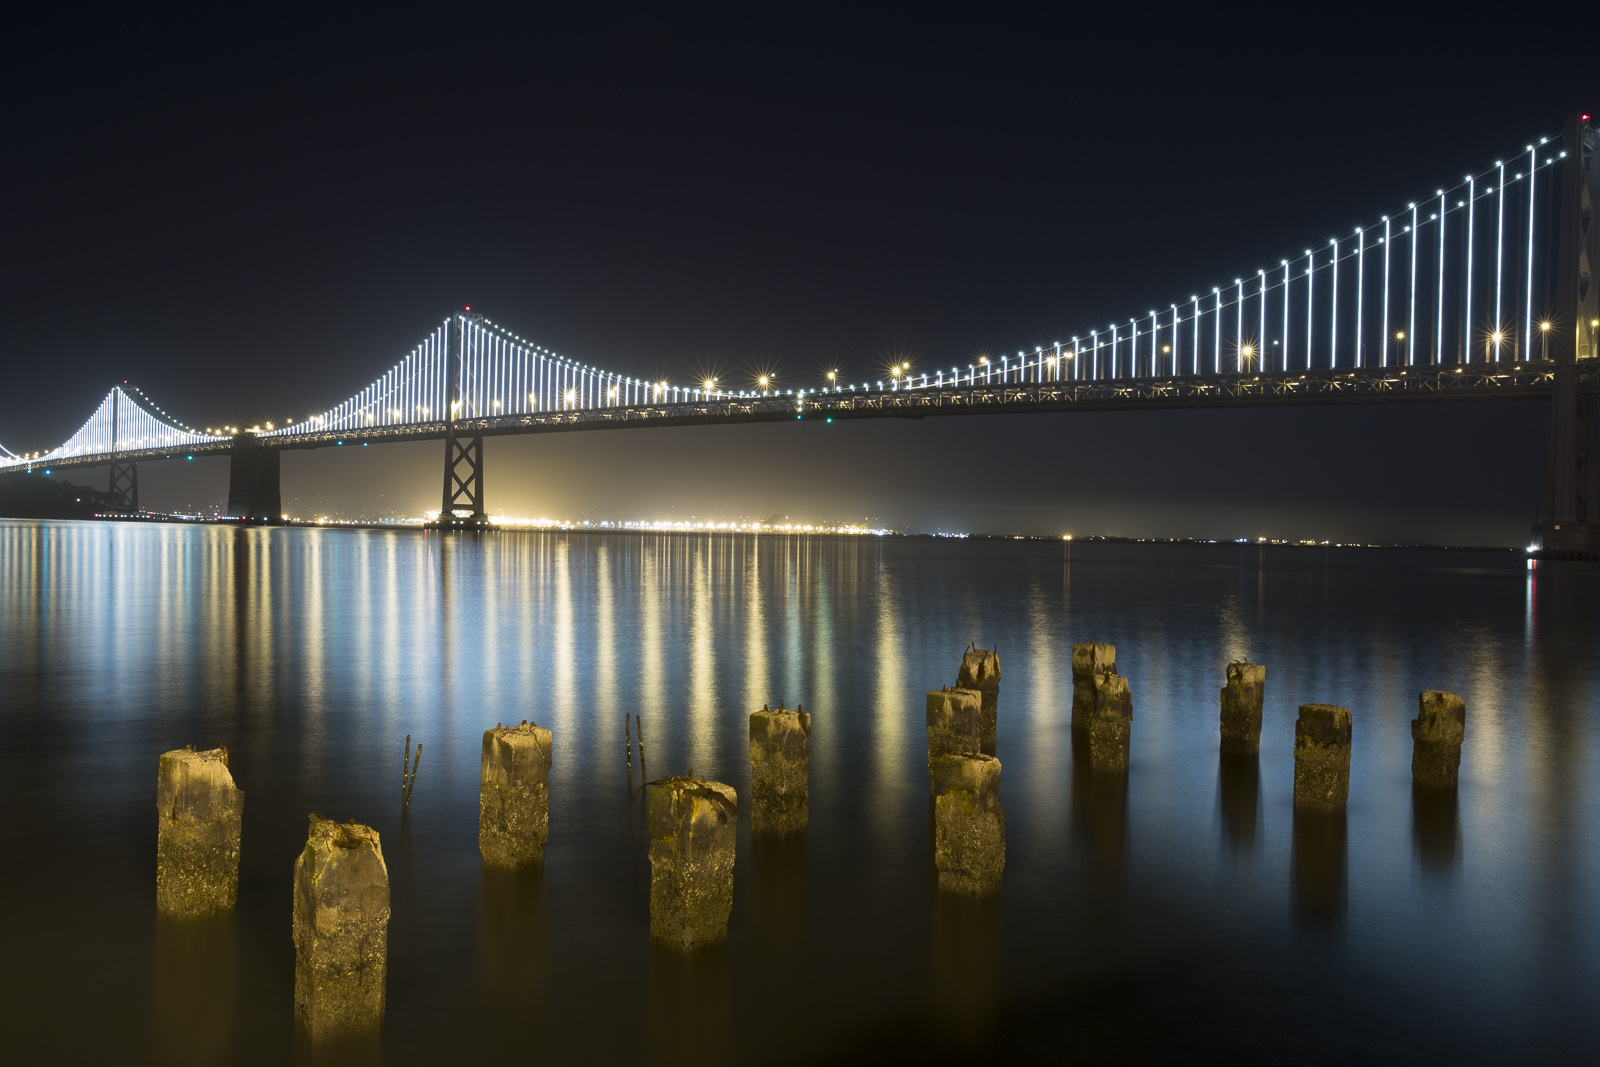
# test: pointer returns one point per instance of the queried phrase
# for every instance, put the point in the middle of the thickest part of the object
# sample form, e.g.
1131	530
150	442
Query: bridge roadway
1373	385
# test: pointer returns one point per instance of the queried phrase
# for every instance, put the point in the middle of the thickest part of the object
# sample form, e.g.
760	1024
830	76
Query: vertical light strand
1383	336
1311	286
1261	333
1333	315
1174	340
1466	320
1438	329
1499	260
1216	332
1113	350
1533	169
1133	348
1285	367
1238	326
1155	346
1194	360
461	373
1361	290
1411	315
1094	355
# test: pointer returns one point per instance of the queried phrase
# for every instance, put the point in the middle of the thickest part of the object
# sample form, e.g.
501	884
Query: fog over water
1185	913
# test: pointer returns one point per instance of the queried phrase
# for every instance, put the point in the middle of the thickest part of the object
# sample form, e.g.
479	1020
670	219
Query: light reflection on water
1186	906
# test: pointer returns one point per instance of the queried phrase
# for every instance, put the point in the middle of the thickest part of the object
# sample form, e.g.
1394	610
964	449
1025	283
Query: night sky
251	211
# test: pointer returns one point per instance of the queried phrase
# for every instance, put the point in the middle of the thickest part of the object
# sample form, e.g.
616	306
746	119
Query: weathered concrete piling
514	795
1322	757
969	845
1436	736
1110	722
199	813
780	758
1241	708
341	930
693	829
980	670
955	723
1089	660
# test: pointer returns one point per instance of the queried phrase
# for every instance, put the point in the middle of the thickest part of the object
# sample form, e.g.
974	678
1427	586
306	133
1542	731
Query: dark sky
252	210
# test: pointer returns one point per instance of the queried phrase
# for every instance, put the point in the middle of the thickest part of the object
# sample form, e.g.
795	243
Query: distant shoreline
1100	539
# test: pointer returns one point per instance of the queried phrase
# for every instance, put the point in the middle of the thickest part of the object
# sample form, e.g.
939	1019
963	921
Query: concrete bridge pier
969	823
1110	723
955	725
1322	758
514	795
1570	527
200	812
1437	733
780	759
694	828
341	931
1241	708
253	494
1089	660
980	670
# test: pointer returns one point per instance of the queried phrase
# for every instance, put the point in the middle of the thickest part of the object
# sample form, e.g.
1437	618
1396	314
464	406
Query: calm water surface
1185	916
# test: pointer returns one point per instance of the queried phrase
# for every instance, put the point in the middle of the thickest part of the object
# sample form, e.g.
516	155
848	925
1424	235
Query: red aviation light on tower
1586	118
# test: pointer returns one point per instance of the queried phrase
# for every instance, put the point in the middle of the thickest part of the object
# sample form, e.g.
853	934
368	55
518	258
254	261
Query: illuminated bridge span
1482	291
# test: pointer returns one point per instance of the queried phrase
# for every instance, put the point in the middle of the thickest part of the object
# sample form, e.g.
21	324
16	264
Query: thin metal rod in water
638	726
412	784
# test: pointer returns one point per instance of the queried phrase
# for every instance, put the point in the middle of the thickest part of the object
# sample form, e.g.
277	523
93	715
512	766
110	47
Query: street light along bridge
1484	291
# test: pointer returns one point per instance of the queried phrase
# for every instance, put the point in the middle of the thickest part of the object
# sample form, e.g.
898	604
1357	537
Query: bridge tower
124	485
462	507
1571	520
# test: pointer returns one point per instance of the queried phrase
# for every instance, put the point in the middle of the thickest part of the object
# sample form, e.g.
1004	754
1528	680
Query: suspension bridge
1484	290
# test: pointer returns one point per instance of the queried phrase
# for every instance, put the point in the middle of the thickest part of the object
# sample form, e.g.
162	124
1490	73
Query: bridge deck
1418	384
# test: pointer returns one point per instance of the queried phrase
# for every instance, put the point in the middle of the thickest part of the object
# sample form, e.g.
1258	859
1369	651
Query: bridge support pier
694	830
1571	523
955	724
1571	526
462	507
253	486
124	485
969	825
